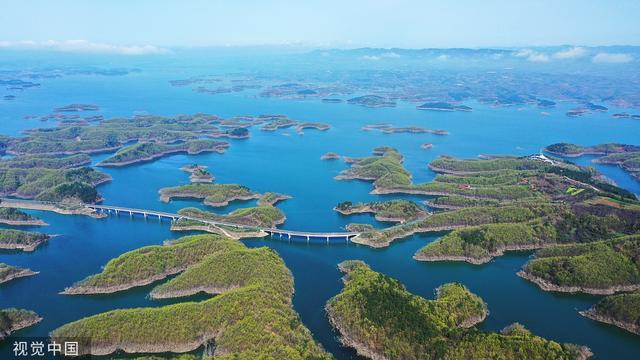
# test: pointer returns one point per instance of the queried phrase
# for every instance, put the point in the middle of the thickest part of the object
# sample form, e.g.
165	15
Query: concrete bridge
289	234
160	215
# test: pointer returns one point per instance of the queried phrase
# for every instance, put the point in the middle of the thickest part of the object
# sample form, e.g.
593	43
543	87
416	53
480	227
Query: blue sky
398	23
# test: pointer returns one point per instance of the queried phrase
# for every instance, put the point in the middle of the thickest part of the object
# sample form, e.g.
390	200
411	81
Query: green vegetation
394	210
457	202
626	156
602	267
386	170
567	149
450	165
622	310
8	272
265	216
21	240
112	134
150	263
376	315
252	317
558	194
452	220
149	151
46	162
478	244
59	185
13	216
271	198
212	194
15	319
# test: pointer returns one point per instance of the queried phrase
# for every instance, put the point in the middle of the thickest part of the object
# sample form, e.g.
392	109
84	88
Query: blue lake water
287	162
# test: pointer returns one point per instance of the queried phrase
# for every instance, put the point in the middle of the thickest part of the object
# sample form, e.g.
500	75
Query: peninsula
255	298
601	267
378	317
392	211
12	320
8	272
16	217
621	310
143	152
21	240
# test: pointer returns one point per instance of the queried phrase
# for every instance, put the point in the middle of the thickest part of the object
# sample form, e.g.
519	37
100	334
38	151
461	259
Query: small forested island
372	101
284	122
443	106
263	216
12	216
390	129
12	320
330	156
8	272
199	173
21	240
142	152
77	107
211	194
378	317
332	100
621	310
586	109
393	211
625	115
251	318
623	155
601	267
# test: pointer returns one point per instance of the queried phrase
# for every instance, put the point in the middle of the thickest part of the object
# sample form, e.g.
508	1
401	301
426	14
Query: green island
212	194
330	156
390	129
148	264
112	134
393	211
59	185
378	317
250	317
21	240
142	152
12	320
12	216
272	198
624	155
199	173
263	216
621	310
601	267
8	272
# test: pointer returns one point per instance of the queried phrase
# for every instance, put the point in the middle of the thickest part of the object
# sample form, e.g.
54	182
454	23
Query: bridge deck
271	231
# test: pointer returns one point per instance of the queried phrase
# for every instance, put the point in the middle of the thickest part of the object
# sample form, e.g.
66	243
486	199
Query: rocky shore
548	286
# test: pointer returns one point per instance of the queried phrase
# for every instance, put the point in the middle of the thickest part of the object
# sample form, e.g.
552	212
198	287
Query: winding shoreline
592	314
548	286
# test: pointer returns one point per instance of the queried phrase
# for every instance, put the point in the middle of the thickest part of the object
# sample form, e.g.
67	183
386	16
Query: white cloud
571	53
612	58
532	55
83	46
